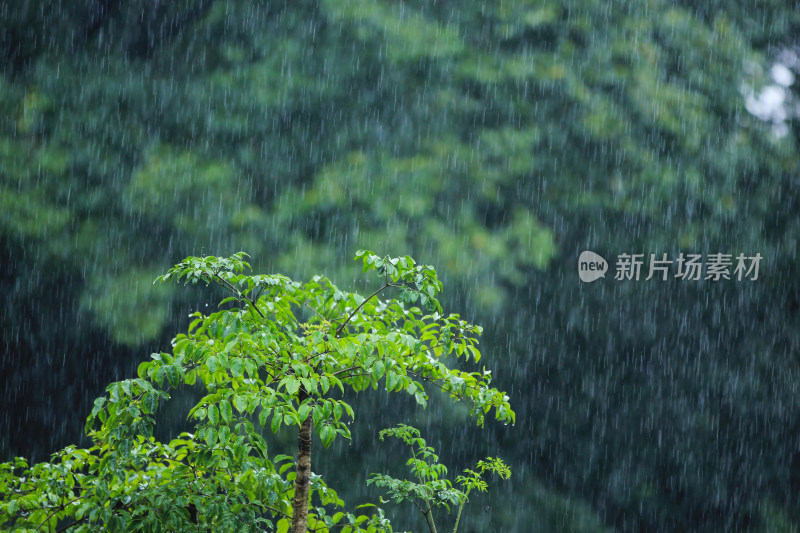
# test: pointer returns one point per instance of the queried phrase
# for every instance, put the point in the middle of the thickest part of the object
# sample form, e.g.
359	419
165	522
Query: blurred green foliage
495	140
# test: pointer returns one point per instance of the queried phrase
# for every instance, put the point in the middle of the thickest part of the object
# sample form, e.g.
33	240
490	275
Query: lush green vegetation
496	140
433	489
282	355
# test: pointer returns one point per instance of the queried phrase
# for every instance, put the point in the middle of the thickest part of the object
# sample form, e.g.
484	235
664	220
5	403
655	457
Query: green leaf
210	436
263	415
421	398
303	411
378	370
326	435
225	411
150	401
173	375
291	385
213	414
237	367
325	384
392	381
142	369
240	402
310	385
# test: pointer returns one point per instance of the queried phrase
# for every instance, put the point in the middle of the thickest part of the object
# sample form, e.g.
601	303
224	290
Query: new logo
591	266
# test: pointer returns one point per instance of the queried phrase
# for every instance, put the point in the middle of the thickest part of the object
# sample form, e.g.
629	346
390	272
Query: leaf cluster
282	354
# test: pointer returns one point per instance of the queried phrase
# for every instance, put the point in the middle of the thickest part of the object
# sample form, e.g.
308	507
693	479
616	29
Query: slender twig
226	284
315	311
357	375
460	508
429	518
425	513
415	502
261	289
231	287
435	382
357	309
441	387
66	527
344	370
57	509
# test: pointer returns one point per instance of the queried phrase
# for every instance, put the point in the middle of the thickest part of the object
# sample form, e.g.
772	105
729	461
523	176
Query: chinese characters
690	267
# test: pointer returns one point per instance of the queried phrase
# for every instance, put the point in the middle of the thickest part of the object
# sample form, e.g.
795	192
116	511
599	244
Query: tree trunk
302	481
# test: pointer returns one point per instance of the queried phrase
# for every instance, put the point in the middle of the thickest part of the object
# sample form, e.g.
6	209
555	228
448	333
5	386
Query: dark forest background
494	140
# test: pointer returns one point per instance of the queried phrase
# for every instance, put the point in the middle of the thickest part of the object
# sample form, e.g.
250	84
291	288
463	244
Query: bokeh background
494	140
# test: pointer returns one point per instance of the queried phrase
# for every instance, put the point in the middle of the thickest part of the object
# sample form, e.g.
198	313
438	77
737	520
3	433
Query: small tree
278	356
431	489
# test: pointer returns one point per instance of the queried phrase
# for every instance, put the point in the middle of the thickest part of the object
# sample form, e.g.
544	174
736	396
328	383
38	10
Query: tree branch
357	309
57	509
231	287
